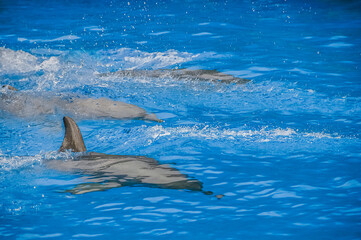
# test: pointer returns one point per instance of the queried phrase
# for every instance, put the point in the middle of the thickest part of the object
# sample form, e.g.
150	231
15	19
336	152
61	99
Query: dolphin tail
73	139
152	117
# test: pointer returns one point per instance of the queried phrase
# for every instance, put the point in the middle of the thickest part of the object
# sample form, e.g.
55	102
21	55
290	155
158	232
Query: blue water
284	149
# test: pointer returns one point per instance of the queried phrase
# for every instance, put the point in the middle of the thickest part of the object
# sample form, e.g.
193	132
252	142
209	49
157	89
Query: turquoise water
284	149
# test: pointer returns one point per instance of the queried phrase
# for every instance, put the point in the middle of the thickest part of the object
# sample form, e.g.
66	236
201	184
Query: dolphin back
73	139
182	73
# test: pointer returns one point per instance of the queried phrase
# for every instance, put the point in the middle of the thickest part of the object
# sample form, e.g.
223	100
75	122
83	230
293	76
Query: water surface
284	149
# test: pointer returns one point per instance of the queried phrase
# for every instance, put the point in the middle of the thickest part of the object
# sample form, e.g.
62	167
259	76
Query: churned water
283	149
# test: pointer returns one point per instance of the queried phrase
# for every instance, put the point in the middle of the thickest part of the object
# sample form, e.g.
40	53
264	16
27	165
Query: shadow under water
111	171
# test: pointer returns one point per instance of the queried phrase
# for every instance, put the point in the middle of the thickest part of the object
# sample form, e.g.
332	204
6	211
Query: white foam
52	64
320	135
83	66
8	163
214	134
62	66
16	162
135	59
18	62
207	132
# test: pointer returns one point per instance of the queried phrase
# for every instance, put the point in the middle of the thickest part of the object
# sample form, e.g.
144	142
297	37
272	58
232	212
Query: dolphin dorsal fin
73	139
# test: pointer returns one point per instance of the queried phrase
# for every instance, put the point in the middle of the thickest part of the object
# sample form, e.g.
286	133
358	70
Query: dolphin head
9	87
73	139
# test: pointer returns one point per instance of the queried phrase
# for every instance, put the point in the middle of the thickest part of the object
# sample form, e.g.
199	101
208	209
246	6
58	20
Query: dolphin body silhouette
201	75
24	104
112	171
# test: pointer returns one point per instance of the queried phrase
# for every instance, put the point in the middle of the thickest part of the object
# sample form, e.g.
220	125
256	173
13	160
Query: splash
8	163
217	133
127	58
144	136
17	162
20	62
47	68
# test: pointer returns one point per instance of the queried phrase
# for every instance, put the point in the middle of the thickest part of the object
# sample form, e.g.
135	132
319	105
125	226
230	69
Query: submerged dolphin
202	75
112	171
27	105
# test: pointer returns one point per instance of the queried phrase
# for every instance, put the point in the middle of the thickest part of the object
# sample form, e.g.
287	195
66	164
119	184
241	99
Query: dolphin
25	104
112	171
184	73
